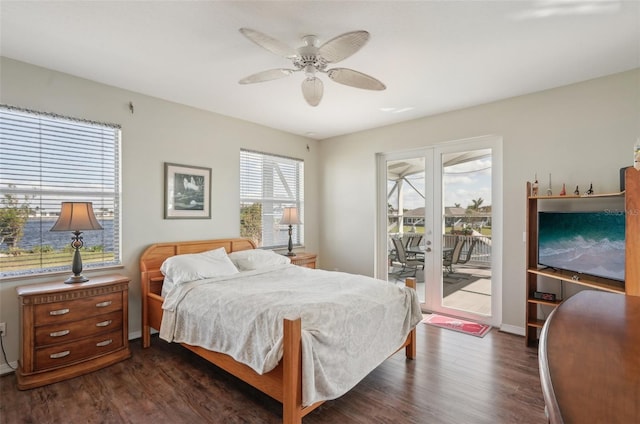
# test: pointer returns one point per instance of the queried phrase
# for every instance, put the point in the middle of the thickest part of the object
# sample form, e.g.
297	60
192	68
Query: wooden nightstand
67	330
304	259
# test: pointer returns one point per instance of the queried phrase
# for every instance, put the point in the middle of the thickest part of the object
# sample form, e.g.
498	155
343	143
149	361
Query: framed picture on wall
187	192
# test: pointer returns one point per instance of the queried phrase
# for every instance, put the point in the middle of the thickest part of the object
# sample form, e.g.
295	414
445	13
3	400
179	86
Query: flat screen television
583	242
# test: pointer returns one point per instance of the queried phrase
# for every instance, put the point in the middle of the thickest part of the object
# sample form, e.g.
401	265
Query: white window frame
47	159
274	182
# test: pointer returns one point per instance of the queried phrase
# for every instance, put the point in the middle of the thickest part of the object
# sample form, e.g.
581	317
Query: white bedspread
350	323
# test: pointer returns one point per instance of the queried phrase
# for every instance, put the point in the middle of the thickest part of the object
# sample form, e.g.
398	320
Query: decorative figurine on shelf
563	192
534	187
576	191
549	192
590	191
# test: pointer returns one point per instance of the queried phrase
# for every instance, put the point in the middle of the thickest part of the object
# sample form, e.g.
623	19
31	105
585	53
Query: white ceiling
434	56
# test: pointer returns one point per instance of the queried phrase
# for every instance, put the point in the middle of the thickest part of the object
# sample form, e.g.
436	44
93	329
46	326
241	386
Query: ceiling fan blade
268	75
312	89
269	43
355	79
343	46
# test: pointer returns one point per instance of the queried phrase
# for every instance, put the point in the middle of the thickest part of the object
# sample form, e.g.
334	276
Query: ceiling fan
312	60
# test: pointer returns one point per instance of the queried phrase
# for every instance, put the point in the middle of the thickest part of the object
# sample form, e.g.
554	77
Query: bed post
292	372
410	349
146	330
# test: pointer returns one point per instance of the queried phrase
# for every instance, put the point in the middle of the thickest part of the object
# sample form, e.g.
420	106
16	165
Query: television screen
583	242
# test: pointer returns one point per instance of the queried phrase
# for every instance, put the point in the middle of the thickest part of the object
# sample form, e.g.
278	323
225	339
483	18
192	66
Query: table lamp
76	217
290	217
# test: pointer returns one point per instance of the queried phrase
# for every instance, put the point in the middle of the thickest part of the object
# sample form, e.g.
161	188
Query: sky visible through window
462	183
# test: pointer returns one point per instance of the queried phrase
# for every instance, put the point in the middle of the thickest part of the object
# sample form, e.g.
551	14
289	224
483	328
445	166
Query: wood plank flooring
456	379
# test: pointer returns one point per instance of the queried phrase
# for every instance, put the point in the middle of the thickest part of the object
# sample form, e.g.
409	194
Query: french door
431	199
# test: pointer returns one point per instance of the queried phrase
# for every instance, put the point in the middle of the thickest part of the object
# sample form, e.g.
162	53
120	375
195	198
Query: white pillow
247	260
198	266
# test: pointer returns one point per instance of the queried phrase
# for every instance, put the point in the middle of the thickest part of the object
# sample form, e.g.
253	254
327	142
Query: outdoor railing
481	254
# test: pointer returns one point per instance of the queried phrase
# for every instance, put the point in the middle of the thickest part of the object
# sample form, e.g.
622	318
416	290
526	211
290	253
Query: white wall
582	133
157	132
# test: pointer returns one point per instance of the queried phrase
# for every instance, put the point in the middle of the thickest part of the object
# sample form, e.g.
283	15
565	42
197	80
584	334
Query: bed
284	382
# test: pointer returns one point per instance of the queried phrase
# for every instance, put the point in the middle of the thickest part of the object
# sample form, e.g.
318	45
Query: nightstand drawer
72	310
304	259
78	350
68	331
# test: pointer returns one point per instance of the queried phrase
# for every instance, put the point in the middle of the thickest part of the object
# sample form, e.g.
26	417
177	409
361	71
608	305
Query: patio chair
467	256
413	242
409	265
468	253
453	256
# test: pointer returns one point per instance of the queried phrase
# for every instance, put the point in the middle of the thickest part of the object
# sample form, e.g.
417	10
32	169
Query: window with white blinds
46	159
269	183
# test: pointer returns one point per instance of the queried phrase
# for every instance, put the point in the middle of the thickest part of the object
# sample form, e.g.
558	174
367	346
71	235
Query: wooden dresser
67	330
307	260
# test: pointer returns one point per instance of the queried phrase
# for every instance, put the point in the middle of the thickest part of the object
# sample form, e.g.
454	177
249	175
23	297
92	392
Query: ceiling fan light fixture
312	89
312	59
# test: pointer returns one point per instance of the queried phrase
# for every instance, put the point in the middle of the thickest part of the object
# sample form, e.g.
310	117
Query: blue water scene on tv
584	242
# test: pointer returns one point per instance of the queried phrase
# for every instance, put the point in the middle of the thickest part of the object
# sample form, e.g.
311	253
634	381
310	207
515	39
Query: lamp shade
290	217
76	216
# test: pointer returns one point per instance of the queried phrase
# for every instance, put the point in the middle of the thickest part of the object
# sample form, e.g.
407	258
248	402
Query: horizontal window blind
268	184
46	159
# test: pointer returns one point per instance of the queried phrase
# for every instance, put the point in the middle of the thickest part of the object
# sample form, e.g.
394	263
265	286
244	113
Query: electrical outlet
3	329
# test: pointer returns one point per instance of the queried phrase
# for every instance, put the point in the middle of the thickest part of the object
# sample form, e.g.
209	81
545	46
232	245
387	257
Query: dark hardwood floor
456	378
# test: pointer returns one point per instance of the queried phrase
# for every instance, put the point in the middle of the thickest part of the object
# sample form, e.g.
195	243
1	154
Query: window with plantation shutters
46	159
268	184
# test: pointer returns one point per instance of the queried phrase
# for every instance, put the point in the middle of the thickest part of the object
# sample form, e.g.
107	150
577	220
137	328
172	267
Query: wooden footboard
283	383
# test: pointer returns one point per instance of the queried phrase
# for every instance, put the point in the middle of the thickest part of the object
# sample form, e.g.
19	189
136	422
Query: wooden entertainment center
535	274
590	344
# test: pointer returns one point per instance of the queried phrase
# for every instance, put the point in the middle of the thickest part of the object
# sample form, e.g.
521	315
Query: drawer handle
59	312
59	333
103	304
59	354
104	323
104	343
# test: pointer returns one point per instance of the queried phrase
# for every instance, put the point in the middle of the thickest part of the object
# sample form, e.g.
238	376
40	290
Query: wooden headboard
151	278
153	257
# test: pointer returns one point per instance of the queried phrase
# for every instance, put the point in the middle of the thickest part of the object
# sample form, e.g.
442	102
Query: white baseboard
519	331
6	369
135	335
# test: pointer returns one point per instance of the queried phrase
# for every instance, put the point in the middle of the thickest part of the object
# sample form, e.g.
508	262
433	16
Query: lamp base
290	254
76	279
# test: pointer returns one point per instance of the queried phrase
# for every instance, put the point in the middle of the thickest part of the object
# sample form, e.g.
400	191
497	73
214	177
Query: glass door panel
467	230
405	233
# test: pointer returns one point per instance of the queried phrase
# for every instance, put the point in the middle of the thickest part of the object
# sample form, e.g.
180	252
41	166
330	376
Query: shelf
535	272
582	196
539	323
552	303
581	279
